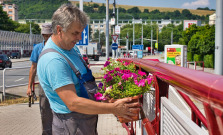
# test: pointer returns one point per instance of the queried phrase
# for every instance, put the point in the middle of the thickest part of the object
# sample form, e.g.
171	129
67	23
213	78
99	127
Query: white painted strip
19	79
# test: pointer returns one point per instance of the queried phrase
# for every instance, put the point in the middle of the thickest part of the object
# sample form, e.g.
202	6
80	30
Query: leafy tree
5	22
134	10
121	10
146	11
25	28
186	14
102	9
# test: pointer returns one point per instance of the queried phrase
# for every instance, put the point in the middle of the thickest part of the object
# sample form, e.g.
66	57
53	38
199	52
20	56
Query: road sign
137	47
85	37
114	46
114	37
156	45
117	29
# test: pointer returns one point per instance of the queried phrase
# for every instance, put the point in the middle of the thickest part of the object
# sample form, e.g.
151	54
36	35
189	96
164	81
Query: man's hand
29	92
125	109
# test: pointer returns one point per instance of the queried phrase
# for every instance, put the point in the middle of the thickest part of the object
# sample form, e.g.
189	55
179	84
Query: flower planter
134	118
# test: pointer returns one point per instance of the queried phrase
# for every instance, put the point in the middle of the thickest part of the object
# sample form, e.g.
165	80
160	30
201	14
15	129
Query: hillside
161	9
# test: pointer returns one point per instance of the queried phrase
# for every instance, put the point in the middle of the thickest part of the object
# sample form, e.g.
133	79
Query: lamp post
107	29
133	21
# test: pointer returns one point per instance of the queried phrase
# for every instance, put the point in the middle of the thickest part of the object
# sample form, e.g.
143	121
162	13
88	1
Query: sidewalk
19	119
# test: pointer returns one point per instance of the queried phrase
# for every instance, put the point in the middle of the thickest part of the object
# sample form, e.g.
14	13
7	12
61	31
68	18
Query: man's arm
32	74
78	104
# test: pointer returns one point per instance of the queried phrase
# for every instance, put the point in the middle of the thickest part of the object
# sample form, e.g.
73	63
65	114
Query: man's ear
59	31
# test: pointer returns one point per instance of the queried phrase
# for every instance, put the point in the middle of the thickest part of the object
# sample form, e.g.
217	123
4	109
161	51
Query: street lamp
133	28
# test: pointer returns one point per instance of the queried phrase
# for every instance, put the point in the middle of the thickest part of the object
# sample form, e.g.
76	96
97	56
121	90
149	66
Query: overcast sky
188	4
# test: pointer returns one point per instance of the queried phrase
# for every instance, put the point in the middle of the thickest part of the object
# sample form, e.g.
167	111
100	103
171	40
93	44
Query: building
212	19
11	9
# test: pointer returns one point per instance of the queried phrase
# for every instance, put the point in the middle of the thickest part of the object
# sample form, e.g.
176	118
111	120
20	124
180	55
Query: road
20	75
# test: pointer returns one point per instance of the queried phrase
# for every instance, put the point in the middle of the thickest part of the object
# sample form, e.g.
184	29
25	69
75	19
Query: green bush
189	56
209	61
198	57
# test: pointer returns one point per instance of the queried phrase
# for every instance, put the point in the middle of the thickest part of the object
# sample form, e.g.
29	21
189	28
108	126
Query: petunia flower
141	73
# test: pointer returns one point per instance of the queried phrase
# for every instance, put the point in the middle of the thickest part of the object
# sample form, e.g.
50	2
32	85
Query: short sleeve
59	73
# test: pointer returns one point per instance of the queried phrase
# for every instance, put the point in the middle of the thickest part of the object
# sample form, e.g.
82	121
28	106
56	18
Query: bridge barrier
204	87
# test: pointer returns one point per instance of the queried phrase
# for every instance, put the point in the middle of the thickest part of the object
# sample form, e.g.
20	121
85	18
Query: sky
186	4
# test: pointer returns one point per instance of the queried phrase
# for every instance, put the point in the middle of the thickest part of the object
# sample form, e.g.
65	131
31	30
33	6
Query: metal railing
202	86
4	86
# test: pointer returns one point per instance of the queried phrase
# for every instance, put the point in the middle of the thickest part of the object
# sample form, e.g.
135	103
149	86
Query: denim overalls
76	123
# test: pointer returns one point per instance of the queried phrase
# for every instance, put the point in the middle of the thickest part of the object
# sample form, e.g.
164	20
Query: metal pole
218	38
127	41
142	35
107	29
81	5
133	31
172	37
151	47
3	85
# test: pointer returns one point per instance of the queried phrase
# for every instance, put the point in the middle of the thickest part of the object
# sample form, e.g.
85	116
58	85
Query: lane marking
19	79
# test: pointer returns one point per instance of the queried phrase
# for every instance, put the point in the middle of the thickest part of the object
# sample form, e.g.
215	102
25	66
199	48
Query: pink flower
141	83
136	82
126	76
141	73
98	96
107	63
120	83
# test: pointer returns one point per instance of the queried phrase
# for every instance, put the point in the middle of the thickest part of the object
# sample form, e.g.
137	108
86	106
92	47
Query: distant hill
161	9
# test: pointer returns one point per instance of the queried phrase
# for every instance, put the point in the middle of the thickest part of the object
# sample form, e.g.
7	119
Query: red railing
202	86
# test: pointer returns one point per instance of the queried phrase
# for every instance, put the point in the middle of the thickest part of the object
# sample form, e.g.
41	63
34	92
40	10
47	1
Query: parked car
85	57
15	55
5	61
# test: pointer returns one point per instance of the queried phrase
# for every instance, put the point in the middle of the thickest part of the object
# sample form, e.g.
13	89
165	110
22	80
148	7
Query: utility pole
107	29
151	47
218	38
142	35
81	5
133	21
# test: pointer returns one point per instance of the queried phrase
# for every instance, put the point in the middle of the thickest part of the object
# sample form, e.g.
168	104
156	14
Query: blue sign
85	37
140	54
114	46
137	47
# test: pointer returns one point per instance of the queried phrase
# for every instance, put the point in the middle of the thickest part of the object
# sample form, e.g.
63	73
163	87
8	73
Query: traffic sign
114	46
137	47
114	37
85	37
156	45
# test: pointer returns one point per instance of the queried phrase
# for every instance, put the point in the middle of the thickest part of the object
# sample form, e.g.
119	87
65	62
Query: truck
92	50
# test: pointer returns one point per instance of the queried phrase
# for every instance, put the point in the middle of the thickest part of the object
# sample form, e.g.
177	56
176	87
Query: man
45	111
73	113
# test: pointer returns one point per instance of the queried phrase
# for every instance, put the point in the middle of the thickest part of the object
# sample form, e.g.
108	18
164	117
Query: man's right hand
125	109
29	92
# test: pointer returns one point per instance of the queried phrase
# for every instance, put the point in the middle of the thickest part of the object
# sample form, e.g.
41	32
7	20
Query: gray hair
67	14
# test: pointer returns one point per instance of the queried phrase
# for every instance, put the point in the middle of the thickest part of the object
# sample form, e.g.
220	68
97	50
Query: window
3	6
9	7
101	26
96	26
10	12
101	31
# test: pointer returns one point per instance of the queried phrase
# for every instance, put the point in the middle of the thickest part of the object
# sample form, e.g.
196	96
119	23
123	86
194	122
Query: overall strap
85	64
78	74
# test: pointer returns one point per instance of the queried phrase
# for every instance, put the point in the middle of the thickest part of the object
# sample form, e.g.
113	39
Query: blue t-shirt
36	52
55	72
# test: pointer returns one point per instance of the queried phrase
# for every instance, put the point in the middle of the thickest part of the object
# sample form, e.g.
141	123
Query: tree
25	28
134	10
146	11
186	14
5	22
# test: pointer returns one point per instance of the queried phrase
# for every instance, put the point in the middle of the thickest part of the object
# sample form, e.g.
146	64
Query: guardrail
202	86
4	78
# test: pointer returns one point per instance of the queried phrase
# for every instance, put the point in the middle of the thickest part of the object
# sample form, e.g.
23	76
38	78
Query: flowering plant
121	79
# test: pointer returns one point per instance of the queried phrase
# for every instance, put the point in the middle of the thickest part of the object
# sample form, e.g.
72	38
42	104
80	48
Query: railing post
3	85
